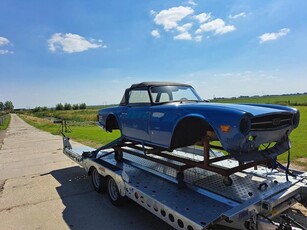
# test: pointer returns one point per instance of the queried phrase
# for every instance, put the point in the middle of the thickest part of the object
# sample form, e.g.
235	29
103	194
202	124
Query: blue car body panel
155	124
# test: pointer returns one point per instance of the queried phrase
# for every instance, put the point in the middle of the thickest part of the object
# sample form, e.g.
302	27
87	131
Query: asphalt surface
40	188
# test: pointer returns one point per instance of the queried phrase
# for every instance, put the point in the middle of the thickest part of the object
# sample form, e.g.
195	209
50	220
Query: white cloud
184	27
169	18
6	52
189	25
217	25
242	14
155	33
192	3
203	17
273	36
71	43
4	41
183	36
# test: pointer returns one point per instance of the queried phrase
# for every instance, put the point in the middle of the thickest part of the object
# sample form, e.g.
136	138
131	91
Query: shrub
37	109
82	106
67	106
75	106
59	106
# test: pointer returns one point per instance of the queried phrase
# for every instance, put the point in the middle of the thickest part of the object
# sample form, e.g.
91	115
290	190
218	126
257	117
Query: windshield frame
190	89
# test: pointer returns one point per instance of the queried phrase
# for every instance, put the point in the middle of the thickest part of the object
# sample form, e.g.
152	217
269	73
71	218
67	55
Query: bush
59	106
82	106
37	109
67	106
75	106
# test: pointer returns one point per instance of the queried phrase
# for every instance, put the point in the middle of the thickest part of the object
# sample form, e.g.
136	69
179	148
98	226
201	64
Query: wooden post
206	151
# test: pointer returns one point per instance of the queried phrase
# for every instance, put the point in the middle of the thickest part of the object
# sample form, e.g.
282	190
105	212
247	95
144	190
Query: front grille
273	121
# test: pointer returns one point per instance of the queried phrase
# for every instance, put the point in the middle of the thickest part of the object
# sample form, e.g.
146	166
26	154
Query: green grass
298	139
87	134
292	100
70	115
6	123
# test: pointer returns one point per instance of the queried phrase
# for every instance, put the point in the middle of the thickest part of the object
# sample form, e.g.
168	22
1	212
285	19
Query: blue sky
90	51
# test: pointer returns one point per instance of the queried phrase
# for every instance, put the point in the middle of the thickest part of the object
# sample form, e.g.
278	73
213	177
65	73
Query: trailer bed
205	200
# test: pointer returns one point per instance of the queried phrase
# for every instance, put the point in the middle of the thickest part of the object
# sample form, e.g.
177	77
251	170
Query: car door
135	118
162	119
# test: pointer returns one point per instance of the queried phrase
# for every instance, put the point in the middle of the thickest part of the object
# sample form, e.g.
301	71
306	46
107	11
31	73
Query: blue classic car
170	115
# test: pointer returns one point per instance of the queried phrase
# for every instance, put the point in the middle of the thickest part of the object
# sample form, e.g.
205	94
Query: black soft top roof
149	84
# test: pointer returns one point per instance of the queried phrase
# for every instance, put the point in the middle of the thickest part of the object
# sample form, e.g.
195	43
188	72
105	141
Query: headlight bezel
245	125
296	118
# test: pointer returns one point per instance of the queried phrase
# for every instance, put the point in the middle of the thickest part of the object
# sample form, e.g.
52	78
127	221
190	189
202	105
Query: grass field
86	133
6	123
84	129
86	115
292	100
298	139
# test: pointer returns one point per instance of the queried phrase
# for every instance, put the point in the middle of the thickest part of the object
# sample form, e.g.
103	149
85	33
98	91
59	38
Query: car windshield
163	94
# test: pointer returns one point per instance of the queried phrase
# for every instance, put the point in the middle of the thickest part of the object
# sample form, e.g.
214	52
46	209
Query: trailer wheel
98	181
118	155
227	181
113	192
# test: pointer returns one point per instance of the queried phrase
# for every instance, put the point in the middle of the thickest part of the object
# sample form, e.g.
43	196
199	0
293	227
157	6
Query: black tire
113	192
98	181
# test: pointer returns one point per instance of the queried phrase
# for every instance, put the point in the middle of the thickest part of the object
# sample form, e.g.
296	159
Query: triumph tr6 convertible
167	116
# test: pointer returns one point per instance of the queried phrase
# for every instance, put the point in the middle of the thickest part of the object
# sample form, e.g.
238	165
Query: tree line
68	106
61	106
6	106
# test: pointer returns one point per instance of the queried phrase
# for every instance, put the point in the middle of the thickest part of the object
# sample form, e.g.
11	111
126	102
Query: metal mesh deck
245	184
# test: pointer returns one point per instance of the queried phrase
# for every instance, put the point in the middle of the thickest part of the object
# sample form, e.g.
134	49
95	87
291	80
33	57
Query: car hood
253	109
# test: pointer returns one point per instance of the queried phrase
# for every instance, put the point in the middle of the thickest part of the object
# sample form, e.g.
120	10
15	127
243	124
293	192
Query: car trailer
191	197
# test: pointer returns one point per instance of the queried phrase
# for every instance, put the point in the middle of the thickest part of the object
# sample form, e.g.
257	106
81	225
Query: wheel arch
90	170
111	123
189	130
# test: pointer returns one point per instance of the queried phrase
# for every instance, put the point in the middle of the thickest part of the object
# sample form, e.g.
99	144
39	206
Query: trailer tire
98	181
113	192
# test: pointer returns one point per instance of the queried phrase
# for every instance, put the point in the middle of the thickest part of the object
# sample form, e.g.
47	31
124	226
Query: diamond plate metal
245	184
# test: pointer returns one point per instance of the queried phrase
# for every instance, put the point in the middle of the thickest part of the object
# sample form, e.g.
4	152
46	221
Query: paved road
40	188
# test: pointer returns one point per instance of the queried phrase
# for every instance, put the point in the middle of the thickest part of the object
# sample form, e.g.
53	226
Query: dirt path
40	188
